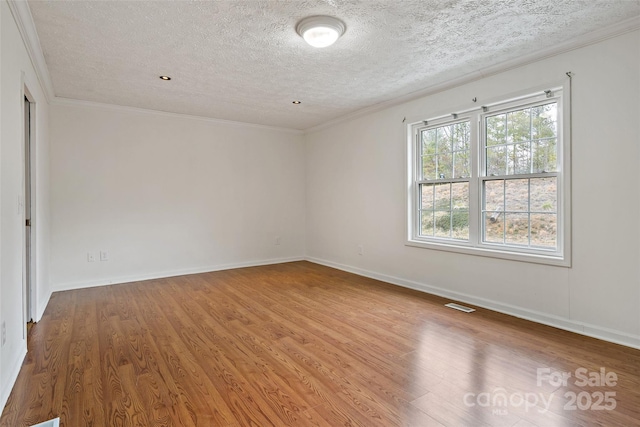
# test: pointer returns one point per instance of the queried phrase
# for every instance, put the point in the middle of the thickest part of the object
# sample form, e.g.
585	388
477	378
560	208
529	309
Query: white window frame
475	246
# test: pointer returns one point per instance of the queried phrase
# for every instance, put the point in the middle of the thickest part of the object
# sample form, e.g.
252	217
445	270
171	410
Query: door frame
29	247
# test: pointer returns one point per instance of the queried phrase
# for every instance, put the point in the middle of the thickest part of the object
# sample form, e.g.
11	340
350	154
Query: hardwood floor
300	344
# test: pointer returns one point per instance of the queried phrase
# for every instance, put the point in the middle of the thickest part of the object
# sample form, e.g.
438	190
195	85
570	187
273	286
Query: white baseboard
171	273
12	376
582	328
594	331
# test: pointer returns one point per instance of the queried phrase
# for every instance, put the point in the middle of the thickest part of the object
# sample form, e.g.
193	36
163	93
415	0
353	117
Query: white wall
167	195
16	72
356	195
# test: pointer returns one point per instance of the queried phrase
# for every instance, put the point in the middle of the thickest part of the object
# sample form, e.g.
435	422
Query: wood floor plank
232	365
186	398
299	344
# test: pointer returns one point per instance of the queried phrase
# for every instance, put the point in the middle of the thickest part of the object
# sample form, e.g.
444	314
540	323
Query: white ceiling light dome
320	31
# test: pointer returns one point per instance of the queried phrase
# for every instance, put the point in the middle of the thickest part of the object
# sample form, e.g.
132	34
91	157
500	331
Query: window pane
545	156
517	228
443	223
521	197
461	165
451	216
519	126
427	196
517	195
494	195
426	223
443	197
460	224
544	230
460	195
519	159
445	165
445	151
428	167
496	130
429	142
544	120
444	139
496	160
544	195
460	210
461	136
493	227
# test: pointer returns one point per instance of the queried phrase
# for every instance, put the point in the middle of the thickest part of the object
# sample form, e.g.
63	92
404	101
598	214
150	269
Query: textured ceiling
242	60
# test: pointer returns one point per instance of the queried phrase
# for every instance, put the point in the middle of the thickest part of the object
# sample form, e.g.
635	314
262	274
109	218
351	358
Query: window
444	184
493	180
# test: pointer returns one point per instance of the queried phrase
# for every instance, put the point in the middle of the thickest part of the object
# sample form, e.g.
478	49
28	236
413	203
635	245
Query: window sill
535	258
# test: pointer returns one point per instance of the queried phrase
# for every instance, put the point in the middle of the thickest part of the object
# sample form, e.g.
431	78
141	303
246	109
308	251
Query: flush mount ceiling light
165	78
320	31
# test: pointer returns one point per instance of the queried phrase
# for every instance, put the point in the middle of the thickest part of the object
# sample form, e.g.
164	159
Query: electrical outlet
91	257
360	250
104	256
278	240
4	333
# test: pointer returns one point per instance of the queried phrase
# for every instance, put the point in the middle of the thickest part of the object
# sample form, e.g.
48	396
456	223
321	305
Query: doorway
28	281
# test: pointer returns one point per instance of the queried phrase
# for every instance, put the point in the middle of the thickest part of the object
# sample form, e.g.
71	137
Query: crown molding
136	110
24	21
623	27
